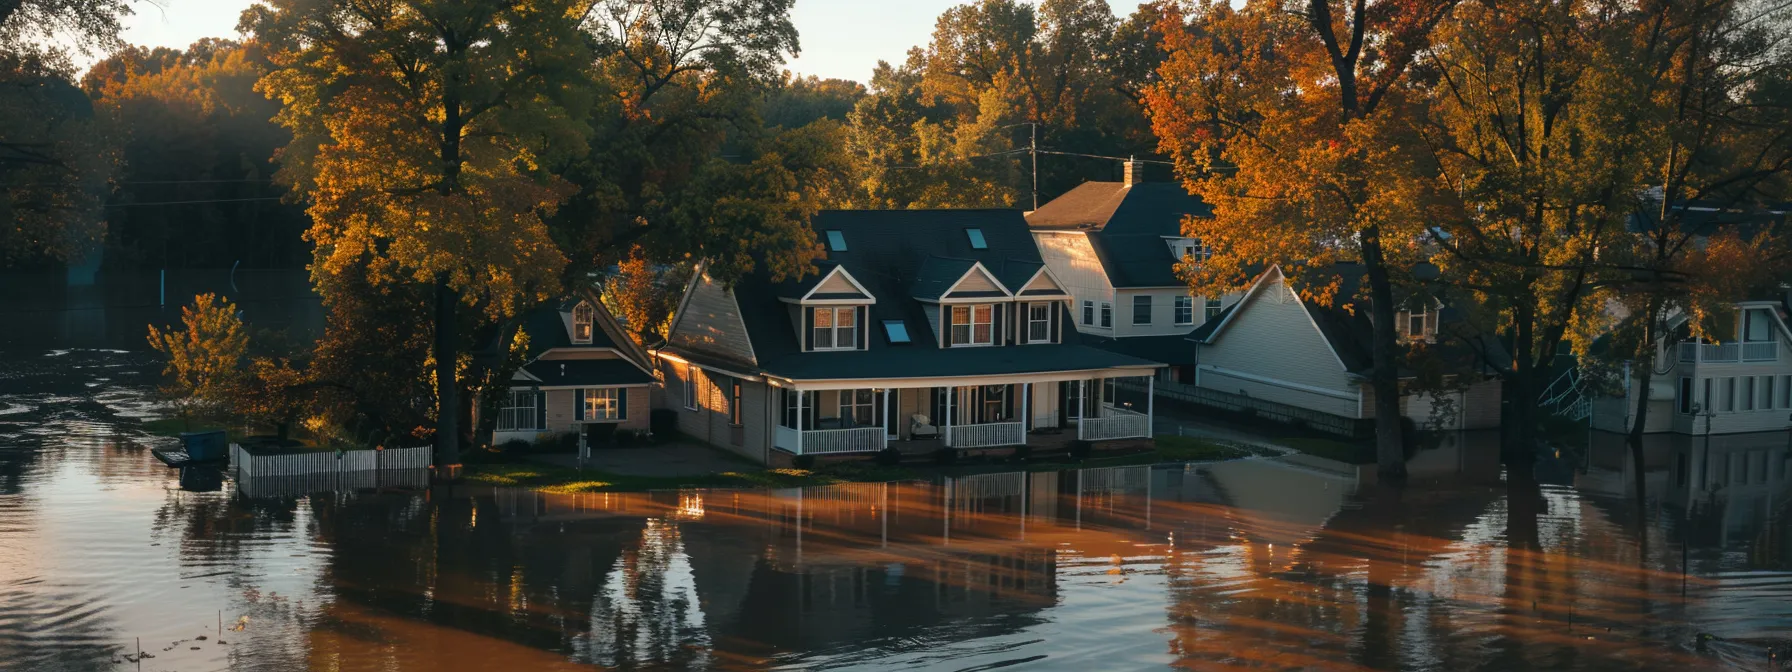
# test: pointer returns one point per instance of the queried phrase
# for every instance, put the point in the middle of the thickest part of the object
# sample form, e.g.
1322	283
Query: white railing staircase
1566	396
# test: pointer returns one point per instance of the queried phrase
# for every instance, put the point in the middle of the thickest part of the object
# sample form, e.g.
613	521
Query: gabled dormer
831	314
967	305
1418	320
1039	309
584	323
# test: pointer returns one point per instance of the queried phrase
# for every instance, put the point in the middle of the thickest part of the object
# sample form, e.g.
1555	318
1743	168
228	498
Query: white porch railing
1761	352
1118	423
988	435
826	441
249	465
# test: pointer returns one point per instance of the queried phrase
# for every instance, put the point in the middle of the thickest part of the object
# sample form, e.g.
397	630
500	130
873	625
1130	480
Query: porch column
1150	407
799	420
950	391
883	407
1026	414
1082	402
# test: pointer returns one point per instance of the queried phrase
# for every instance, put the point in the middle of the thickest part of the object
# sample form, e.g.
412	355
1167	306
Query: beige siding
1041	282
562	414
975	281
1477	407
709	420
836	283
1272	351
1073	261
710	322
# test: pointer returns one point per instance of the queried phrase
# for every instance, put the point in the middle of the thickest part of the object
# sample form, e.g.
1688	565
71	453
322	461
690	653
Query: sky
840	38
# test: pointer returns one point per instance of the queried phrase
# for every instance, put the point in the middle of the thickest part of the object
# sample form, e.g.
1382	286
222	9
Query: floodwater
1255	564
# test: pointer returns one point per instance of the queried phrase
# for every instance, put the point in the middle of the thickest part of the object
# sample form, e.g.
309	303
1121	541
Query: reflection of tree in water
646	610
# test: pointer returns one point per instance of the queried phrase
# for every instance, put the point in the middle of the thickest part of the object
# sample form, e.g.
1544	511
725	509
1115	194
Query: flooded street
1258	564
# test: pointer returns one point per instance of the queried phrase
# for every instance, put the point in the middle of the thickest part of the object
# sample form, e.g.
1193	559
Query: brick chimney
1135	171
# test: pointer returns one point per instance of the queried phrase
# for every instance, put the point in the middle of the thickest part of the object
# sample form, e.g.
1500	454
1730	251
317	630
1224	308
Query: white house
1290	359
1739	381
1115	245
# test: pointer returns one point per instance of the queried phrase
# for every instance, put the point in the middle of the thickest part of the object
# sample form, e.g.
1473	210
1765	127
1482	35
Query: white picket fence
1119	423
339	481
247	465
987	435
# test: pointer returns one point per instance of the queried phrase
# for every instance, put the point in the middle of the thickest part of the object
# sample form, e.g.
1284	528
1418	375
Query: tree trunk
1520	452
447	388
1644	378
1384	379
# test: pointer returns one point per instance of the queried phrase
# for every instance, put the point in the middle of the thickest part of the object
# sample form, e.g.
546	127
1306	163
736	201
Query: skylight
977	242
836	240
896	330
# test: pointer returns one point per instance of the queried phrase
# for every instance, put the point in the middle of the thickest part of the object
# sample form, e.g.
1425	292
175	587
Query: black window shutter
541	410
808	328
578	404
946	321
1057	323
864	327
621	403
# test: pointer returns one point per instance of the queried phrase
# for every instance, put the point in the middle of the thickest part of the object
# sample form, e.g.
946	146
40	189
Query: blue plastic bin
205	446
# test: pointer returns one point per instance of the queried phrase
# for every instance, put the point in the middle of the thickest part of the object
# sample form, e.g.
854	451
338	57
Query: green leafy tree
420	131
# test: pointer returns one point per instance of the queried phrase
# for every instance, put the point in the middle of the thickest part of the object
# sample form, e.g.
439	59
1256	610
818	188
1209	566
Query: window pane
824	317
961	314
896	331
1417	326
982	333
824	338
961	333
982	315
836	241
845	316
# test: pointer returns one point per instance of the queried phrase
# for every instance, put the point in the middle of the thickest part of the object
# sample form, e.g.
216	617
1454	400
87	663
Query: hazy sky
840	38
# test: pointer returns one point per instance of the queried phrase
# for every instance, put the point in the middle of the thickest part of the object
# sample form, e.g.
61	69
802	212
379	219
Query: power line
255	179
209	200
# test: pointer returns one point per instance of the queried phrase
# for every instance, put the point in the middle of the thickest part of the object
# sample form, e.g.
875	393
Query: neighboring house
1290	359
920	329
1116	245
584	375
1739	381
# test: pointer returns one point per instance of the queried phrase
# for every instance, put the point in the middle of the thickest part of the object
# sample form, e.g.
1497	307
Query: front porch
1042	414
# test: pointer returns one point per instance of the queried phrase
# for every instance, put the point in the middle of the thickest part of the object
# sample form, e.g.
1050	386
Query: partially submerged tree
420	130
205	358
1295	127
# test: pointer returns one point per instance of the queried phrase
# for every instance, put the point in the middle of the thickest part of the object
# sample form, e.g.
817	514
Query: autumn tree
205	359
420	130
1295	127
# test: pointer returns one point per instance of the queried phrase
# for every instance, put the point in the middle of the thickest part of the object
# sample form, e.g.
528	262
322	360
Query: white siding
1272	351
1163	313
1072	259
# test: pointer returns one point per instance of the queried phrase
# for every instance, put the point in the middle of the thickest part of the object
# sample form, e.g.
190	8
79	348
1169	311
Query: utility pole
1033	150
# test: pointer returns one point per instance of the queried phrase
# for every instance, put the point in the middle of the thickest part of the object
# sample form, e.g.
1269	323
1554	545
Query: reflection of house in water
1734	483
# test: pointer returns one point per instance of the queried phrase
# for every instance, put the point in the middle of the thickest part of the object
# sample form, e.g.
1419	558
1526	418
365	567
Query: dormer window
836	240
835	329
976	237
973	325
582	316
896	331
1039	322
1417	325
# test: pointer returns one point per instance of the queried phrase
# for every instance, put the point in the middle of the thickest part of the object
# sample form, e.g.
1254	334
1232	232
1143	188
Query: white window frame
512	411
602	404
850	406
1088	313
1150	306
1184	311
837	334
1043	321
1213	309
971	324
1107	315
690	387
583	318
1424	317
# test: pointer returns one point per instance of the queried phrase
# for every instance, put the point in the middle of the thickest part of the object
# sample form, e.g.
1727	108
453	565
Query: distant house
1738	381
583	375
921	329
1116	245
1290	359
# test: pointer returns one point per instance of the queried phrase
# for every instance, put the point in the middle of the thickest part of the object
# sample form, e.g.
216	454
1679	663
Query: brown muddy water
1255	564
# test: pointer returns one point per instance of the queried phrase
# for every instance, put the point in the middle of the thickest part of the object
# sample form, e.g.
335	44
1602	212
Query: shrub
1023	452
1080	449
515	447
803	462
662	422
888	457
945	456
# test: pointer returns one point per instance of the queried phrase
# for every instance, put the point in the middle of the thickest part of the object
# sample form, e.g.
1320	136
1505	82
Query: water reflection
1297	564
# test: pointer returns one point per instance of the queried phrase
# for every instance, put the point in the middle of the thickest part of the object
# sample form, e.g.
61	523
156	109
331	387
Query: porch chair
921	427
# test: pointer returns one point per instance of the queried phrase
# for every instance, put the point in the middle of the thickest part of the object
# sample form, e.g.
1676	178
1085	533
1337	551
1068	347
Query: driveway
667	460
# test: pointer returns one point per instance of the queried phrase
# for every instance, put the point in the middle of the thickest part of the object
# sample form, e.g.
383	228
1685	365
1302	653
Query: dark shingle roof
1169	349
547	329
587	372
1126	226
899	256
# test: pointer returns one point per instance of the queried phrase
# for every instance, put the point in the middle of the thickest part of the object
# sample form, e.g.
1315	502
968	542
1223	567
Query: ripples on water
1253	564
